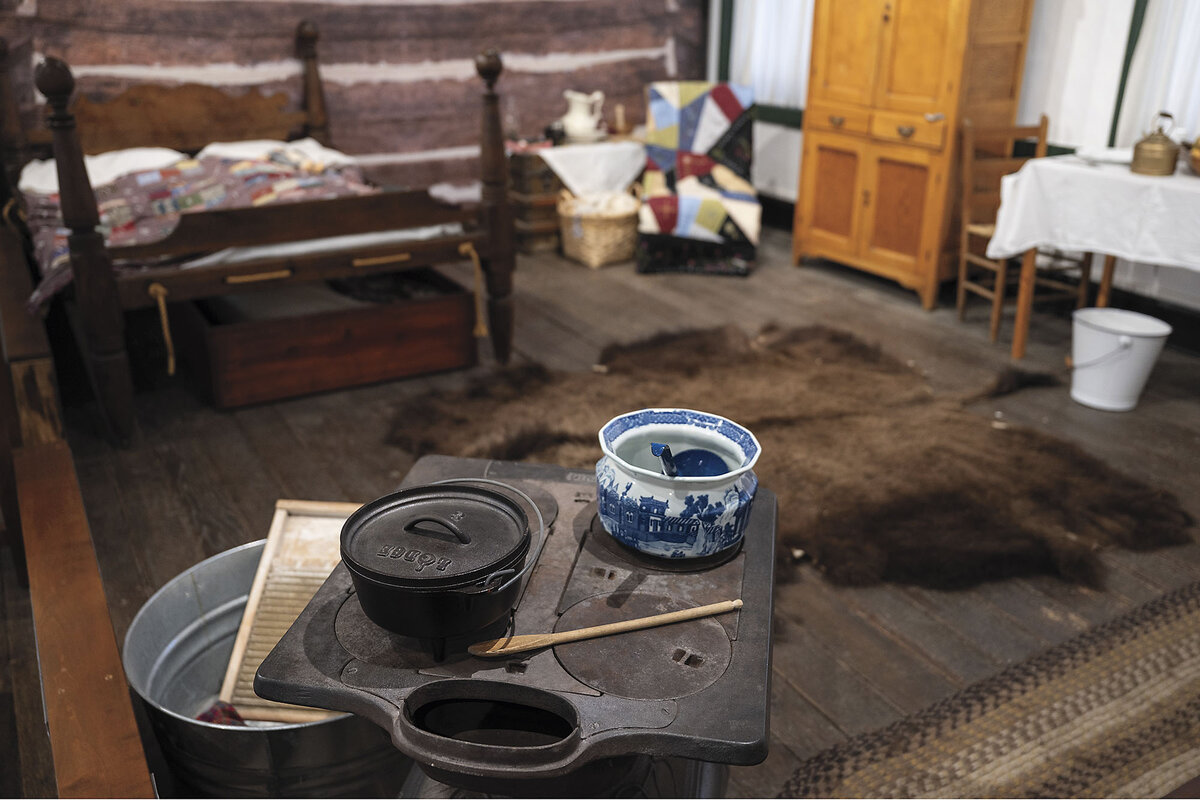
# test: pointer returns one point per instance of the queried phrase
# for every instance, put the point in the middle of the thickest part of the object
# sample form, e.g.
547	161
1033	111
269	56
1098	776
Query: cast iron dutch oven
436	561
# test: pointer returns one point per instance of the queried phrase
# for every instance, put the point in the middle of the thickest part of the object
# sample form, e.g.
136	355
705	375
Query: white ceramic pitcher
582	120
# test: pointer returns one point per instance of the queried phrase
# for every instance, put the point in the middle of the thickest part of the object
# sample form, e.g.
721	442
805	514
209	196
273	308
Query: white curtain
1165	72
770	49
1073	68
1164	75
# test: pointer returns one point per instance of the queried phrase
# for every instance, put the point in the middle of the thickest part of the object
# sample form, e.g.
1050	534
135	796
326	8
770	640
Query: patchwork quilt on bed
143	207
699	211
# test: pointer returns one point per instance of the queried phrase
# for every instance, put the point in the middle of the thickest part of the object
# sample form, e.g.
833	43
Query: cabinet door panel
845	51
900	189
922	40
829	212
901	223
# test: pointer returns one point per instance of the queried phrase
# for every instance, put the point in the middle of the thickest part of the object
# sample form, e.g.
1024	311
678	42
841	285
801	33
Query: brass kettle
1156	154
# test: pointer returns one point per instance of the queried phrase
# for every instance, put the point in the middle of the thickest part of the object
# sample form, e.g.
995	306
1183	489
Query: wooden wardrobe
889	84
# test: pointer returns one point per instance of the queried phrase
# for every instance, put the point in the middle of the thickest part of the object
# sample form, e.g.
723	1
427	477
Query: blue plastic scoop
663	451
693	463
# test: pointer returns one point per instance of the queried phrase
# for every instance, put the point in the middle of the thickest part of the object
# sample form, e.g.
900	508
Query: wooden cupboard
889	83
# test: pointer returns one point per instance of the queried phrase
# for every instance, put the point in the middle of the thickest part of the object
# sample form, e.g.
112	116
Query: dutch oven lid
432	537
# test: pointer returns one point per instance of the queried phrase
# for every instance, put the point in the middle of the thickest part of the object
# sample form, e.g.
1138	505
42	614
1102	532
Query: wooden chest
265	346
533	193
529	174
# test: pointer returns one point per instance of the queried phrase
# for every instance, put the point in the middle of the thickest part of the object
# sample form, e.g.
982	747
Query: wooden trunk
240	359
889	84
533	194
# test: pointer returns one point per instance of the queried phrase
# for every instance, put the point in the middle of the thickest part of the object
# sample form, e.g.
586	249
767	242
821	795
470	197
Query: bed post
316	122
496	213
100	327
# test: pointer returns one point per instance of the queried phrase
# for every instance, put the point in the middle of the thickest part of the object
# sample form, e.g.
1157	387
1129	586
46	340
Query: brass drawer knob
836	121
905	130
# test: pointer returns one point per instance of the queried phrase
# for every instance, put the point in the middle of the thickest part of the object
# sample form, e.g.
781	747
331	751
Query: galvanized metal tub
175	656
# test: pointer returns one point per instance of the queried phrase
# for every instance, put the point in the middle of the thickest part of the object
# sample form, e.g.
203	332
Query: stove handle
541	729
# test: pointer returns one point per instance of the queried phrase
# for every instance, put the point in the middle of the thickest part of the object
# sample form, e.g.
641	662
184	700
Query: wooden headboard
184	117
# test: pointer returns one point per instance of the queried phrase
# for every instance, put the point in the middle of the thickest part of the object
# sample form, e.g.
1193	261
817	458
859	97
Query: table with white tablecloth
1071	203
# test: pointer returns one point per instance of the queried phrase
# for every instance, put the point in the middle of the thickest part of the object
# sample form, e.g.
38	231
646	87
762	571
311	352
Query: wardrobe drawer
926	130
844	119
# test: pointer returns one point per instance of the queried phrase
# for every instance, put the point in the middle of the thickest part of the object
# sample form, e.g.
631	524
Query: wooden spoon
535	641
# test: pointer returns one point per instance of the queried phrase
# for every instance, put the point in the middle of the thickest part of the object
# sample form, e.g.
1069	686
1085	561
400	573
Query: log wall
399	77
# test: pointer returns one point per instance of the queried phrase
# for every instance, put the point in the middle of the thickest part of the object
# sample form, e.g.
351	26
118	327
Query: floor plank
765	779
30	760
893	610
1000	635
900	674
827	683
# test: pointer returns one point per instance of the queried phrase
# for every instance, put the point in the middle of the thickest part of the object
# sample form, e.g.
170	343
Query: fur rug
877	479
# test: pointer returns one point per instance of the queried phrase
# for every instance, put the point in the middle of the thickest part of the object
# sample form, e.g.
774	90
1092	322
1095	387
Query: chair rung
980	261
1049	296
979	290
1055	284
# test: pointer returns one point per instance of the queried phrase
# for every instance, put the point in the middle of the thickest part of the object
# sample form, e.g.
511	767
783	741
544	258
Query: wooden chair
987	156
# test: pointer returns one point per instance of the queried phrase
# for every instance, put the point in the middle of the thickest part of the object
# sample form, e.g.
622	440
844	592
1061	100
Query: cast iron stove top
698	690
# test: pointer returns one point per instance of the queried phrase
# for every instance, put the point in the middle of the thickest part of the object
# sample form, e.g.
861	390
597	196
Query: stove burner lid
431	537
668	662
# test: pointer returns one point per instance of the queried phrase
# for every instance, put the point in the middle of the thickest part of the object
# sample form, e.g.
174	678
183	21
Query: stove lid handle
532	557
462	536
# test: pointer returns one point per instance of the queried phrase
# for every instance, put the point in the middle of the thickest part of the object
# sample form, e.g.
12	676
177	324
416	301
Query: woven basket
595	239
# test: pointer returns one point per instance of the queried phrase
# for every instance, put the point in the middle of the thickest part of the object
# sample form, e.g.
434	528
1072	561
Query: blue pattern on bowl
618	426
680	517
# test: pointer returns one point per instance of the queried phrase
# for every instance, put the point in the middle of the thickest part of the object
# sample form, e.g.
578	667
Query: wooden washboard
302	549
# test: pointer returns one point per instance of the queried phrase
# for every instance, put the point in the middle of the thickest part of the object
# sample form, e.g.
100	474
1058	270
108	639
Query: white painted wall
776	167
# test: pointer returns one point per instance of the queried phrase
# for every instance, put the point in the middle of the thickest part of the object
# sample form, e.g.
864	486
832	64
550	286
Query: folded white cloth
599	167
41	177
308	149
609	204
328	244
1106	155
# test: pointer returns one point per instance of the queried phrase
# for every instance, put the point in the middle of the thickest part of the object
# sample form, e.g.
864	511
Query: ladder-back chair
987	156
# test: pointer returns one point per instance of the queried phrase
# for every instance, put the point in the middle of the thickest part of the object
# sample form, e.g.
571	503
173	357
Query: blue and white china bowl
686	516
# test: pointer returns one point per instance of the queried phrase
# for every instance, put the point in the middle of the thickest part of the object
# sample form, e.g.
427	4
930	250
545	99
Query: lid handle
460	534
1164	115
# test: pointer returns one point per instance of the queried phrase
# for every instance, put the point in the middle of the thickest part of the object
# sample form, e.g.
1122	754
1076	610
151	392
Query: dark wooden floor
198	481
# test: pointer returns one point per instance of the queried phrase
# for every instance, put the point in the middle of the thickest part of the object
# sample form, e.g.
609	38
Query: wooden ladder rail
94	738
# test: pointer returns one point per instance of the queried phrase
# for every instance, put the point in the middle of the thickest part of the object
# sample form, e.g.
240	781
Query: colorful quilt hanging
699	210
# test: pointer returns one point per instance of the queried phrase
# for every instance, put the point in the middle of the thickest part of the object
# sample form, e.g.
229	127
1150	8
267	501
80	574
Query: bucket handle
1123	344
542	533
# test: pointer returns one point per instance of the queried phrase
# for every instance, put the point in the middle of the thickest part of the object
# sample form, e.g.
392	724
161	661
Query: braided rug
1114	712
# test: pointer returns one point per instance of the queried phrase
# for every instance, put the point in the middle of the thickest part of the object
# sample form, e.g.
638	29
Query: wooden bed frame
186	118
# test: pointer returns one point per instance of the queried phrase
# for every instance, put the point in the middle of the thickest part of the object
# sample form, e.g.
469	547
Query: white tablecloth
1067	203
